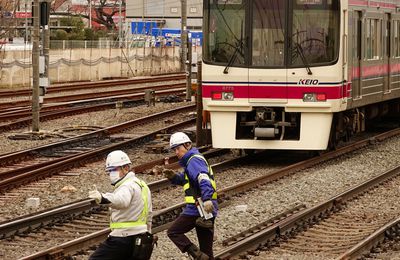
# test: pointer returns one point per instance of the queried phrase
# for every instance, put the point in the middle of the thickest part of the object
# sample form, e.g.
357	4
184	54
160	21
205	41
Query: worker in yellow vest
201	208
131	212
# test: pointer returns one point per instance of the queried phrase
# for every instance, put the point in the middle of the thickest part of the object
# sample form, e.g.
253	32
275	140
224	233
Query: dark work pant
124	248
184	224
114	248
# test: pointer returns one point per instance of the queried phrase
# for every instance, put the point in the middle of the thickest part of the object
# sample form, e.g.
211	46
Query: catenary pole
185	63
90	13
46	49
183	34
35	67
120	24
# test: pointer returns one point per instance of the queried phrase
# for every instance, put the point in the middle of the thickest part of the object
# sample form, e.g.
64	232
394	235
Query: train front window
315	32
268	40
225	27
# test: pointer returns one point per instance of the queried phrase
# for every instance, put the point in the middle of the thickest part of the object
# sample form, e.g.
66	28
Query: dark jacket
193	169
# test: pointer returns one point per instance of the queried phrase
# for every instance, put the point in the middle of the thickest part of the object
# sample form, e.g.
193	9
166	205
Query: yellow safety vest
190	193
142	219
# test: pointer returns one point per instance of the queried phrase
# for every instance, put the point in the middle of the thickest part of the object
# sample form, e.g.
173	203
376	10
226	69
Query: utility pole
184	33
90	13
46	51
120	24
189	70
26	22
35	66
40	66
185	62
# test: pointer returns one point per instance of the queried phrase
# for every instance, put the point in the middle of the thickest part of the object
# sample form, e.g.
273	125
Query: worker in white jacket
131	212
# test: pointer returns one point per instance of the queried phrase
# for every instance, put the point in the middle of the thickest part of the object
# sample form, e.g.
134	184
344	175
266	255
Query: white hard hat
178	139
117	158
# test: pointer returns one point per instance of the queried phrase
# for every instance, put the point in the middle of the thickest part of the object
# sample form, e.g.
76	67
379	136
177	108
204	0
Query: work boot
195	252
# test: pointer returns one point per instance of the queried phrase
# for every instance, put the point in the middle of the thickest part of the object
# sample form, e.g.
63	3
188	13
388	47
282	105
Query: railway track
66	221
71	108
92	85
225	193
22	167
122	94
338	230
63	213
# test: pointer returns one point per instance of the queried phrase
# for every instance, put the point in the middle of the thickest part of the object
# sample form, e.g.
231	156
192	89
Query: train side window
396	36
387	36
373	48
359	36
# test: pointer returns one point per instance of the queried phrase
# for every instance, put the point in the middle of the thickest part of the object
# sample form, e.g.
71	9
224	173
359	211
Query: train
298	74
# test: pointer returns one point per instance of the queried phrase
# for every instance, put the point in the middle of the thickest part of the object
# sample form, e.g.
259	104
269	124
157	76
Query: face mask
114	176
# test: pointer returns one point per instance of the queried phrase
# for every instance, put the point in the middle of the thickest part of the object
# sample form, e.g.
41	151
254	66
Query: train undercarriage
273	123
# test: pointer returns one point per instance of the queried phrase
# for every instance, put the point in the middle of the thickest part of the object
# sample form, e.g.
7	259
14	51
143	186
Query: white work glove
208	206
96	195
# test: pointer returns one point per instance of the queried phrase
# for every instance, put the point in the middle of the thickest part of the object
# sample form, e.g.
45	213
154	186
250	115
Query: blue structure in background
195	36
150	28
142	27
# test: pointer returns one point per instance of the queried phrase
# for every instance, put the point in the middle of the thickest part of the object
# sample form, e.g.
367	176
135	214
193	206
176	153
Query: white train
298	74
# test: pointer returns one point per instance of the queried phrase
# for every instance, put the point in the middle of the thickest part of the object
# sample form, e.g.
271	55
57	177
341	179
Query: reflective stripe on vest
189	192
142	219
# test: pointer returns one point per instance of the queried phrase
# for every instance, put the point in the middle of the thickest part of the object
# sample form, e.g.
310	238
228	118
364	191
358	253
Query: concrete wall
91	64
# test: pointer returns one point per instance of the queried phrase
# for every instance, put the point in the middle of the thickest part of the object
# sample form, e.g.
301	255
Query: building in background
166	13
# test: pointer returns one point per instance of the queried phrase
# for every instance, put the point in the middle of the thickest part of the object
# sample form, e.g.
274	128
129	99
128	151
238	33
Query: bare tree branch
103	12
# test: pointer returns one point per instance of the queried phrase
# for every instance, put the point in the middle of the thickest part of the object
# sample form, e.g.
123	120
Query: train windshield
281	33
314	32
225	29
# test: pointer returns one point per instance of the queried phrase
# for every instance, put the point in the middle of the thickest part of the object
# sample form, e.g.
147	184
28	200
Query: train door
387	53
267	73
357	57
395	81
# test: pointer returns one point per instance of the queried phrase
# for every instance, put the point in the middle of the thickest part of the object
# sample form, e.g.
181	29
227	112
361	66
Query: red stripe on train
372	3
277	92
375	70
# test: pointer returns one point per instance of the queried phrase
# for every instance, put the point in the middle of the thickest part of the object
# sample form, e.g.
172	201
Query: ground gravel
307	187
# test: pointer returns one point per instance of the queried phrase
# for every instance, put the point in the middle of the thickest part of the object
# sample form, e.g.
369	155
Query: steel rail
288	226
8	158
390	231
73	111
68	211
91	85
92	95
82	158
162	219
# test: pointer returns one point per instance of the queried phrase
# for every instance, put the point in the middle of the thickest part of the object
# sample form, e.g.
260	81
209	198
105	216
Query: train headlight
227	95
314	97
222	96
309	97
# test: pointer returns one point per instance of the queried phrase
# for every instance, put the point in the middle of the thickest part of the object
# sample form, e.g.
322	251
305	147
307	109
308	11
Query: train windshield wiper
239	46
233	57
303	58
